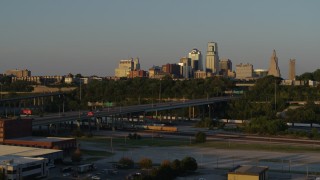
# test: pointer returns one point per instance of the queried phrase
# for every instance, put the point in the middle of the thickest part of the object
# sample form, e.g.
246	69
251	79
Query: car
66	169
95	178
66	174
51	166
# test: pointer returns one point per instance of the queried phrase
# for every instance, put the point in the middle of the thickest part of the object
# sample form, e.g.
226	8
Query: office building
14	167
137	73
185	67
225	66
172	69
244	71
196	60
212	58
136	64
260	73
200	74
274	68
154	71
292	69
18	73
125	66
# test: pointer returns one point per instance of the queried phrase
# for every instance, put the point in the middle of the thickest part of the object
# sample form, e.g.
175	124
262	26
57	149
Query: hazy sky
55	37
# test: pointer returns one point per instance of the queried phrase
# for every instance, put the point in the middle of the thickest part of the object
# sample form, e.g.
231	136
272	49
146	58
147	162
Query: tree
189	164
176	166
201	137
76	156
165	172
126	163
165	163
145	163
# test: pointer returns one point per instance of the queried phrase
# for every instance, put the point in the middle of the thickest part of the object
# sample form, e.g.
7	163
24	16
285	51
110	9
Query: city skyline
91	38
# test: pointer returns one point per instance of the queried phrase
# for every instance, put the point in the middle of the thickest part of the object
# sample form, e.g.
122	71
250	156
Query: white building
124	68
212	58
196	60
18	168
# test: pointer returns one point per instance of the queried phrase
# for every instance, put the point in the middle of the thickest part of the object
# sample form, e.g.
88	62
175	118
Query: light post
1	90
160	92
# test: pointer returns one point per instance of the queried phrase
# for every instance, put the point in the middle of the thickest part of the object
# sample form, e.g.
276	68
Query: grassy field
259	146
135	143
123	143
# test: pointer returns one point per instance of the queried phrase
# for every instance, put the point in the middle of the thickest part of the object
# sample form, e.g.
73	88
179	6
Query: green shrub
126	163
145	163
189	164
201	137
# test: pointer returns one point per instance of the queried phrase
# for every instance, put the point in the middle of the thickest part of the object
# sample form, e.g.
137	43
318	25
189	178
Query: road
76	115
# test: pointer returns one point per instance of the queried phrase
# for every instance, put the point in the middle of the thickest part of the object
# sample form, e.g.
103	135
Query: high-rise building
196	60
225	66
125	66
244	71
274	68
212	58
185	67
292	69
136	64
154	71
171	69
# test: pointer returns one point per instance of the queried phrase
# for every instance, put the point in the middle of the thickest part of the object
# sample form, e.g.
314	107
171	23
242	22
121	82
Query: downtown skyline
55	38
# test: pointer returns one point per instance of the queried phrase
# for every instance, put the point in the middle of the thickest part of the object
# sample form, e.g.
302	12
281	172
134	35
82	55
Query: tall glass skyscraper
196	60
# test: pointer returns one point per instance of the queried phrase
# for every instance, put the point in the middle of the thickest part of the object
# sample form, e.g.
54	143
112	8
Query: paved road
75	115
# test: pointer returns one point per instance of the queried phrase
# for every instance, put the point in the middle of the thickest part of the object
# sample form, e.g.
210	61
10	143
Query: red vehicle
90	113
26	112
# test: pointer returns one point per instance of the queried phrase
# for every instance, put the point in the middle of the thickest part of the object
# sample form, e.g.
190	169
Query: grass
259	146
96	153
123	144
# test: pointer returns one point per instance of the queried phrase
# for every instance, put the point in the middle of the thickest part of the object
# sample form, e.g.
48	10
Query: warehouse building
18	132
18	151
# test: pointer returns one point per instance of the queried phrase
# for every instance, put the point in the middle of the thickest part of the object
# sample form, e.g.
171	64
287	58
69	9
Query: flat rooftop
247	169
6	150
41	139
15	160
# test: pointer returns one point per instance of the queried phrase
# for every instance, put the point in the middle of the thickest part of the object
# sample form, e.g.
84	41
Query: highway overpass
81	115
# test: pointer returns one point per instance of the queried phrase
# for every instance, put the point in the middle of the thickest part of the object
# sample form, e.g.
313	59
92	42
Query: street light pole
1	90
160	92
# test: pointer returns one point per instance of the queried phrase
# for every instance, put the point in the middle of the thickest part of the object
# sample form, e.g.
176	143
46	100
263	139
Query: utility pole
275	95
160	92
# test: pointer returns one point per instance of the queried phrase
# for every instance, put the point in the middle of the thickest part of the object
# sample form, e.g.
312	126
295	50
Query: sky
57	37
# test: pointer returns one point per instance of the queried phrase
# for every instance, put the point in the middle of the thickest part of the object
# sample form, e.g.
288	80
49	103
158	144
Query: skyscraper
196	60
136	64
292	69
212	59
125	66
225	66
185	64
274	68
